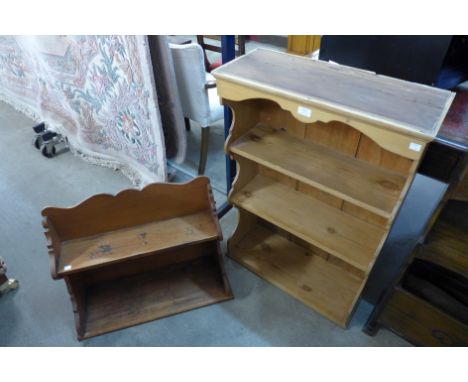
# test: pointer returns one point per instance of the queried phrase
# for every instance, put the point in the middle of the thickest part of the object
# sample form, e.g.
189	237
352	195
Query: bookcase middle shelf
330	229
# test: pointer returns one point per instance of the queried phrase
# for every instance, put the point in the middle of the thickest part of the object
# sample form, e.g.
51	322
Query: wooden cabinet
427	303
139	255
422	323
433	60
427	300
325	156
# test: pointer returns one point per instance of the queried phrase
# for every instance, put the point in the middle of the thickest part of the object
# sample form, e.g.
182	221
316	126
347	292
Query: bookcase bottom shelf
143	297
325	287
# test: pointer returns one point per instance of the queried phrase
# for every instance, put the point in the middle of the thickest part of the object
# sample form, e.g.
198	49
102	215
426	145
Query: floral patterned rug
97	90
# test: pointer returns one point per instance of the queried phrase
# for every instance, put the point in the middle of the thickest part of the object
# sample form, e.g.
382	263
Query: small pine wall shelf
325	156
138	255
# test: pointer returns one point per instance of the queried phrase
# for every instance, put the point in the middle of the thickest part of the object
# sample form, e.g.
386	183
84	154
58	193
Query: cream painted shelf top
408	107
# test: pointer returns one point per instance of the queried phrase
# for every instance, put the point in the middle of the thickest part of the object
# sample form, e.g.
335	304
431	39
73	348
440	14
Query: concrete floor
39	313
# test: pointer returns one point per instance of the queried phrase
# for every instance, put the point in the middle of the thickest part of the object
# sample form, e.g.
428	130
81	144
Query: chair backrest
191	78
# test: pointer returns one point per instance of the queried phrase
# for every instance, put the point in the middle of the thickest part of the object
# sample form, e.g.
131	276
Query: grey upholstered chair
197	91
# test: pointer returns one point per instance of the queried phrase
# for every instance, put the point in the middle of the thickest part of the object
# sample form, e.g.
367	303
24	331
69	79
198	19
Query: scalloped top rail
408	107
107	229
105	212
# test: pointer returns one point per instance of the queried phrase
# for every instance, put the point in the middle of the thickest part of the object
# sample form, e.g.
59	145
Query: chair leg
187	124
205	135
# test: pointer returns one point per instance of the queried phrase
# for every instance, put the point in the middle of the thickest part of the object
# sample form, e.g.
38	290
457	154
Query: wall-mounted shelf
127	243
325	156
138	255
182	282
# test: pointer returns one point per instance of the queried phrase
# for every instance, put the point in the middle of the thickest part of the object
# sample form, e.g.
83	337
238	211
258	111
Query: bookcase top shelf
127	243
364	184
137	256
410	108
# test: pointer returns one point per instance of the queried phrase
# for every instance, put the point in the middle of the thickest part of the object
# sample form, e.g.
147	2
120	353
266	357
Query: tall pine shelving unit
325	156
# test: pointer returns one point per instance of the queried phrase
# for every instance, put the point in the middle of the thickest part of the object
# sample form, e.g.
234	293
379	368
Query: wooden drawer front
422	324
451	260
447	242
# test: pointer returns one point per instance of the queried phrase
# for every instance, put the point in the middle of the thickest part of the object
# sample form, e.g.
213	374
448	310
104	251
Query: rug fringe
128	171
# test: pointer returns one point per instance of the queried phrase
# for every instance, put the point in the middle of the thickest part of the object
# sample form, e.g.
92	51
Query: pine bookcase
325	156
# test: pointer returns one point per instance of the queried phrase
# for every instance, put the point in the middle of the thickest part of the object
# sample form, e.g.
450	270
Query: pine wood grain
147	296
318	194
335	135
138	255
359	92
325	153
330	229
365	215
104	213
299	272
120	245
271	114
371	152
370	187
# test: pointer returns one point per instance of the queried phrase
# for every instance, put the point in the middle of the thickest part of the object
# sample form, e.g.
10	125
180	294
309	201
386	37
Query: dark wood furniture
431	60
427	303
325	156
138	255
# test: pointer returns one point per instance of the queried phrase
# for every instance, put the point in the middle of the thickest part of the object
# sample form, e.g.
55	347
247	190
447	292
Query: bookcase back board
325	157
